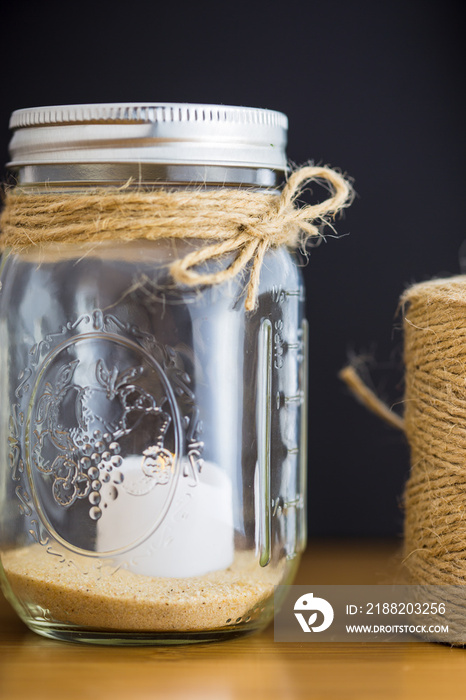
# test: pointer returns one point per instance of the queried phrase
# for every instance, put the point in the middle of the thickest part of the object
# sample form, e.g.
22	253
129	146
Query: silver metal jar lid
149	133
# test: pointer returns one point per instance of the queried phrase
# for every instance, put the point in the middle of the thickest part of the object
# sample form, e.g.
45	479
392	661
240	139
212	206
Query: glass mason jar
153	471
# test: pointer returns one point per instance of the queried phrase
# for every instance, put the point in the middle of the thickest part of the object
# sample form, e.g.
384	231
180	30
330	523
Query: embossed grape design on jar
153	372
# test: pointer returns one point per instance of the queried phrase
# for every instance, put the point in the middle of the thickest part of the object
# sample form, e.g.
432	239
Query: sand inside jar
128	601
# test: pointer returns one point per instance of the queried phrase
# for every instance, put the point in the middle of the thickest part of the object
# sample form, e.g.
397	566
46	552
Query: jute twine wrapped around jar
242	222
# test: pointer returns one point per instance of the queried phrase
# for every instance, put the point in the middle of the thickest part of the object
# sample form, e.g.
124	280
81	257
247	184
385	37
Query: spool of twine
242	222
434	323
435	425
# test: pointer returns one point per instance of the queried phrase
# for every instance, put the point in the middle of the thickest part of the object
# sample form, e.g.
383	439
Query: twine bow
282	224
241	222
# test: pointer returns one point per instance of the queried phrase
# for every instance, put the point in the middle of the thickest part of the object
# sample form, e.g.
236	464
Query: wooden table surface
32	667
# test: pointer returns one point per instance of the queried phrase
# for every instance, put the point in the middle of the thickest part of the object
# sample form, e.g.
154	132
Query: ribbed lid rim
145	113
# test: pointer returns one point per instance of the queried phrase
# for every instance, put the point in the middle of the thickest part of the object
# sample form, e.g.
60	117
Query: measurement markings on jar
297	399
280	295
292	400
290	395
295	293
280	505
302	525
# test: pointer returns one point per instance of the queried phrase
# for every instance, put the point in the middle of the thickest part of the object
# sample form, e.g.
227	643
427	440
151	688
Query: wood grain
32	667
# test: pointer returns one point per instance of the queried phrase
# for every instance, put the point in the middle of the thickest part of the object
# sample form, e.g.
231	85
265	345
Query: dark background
373	88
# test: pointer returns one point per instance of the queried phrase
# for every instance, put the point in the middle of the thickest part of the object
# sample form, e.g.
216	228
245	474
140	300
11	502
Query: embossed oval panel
103	425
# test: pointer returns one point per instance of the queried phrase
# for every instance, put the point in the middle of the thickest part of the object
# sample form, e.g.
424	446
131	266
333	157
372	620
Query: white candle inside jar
193	533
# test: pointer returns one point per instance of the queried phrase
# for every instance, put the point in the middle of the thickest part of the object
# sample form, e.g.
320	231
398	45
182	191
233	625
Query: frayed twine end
369	399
